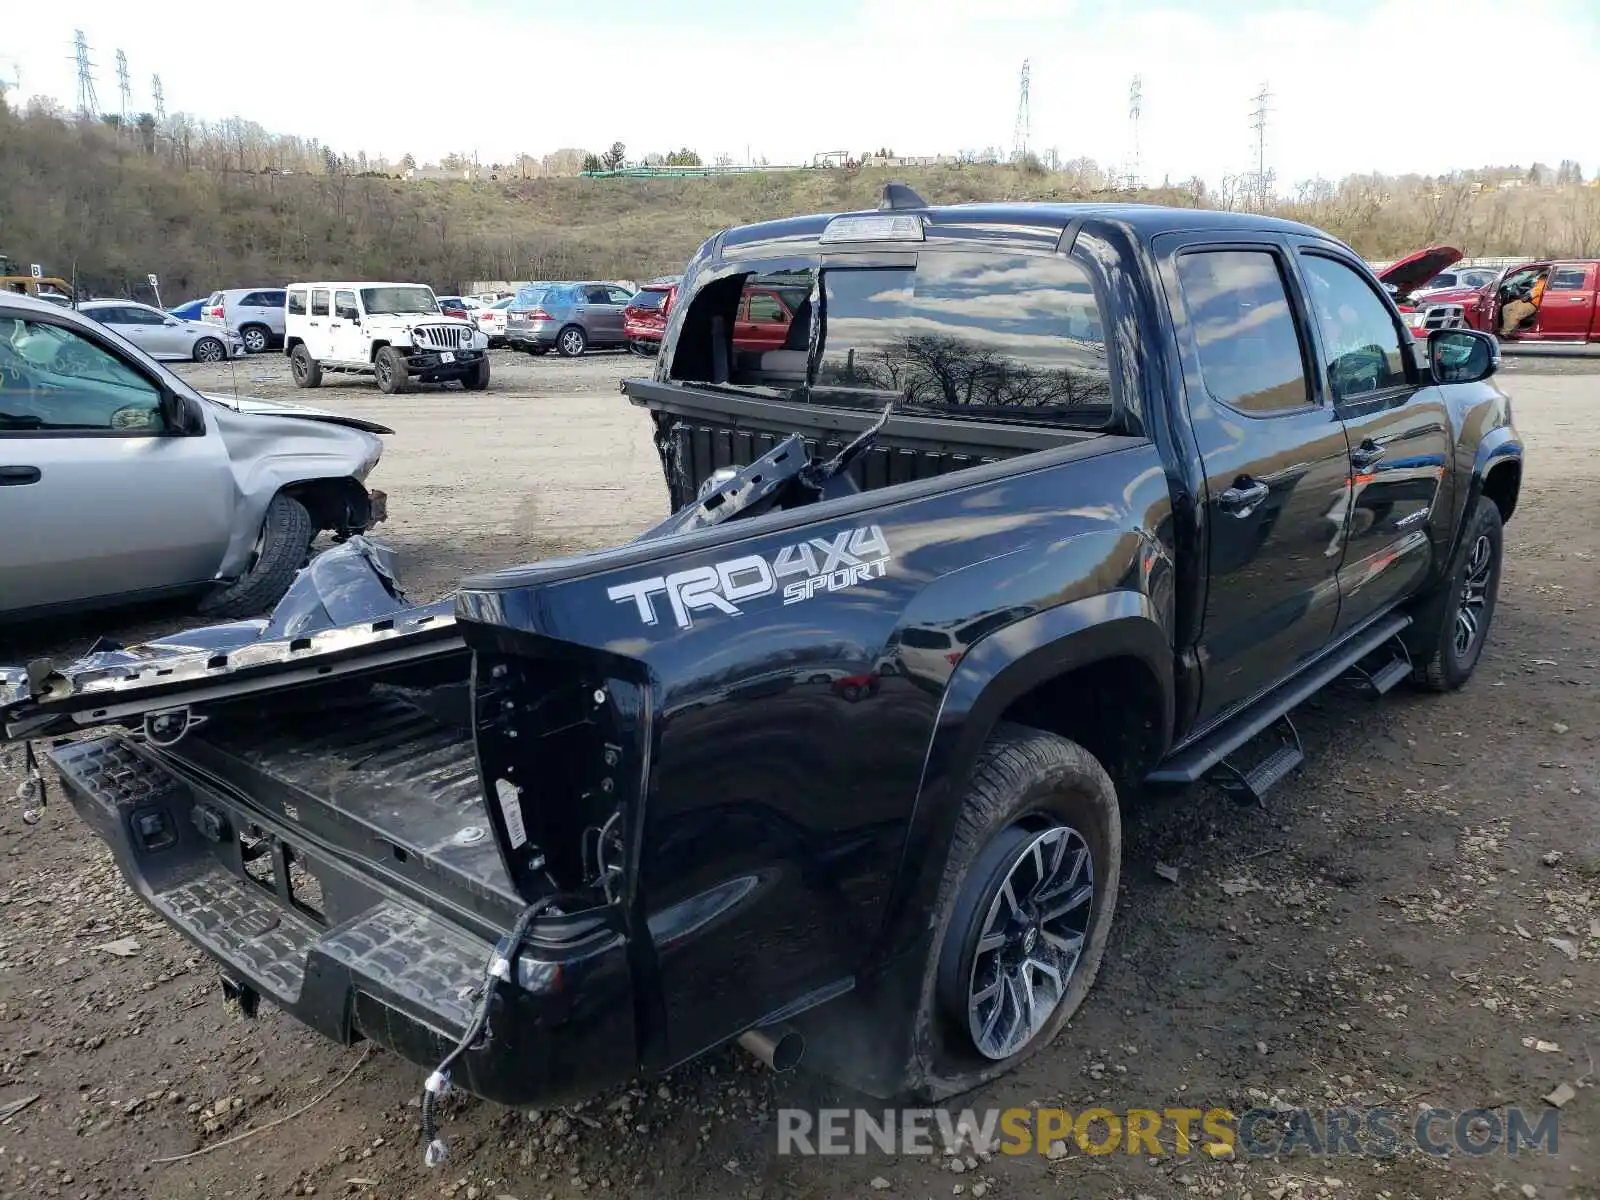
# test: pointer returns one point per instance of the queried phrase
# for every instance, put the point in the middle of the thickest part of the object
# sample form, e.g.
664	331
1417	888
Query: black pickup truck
1036	505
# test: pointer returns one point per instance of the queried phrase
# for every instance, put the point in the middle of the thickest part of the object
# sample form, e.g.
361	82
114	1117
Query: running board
1196	758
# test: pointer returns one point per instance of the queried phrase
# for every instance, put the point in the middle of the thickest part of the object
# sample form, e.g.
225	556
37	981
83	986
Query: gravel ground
1414	921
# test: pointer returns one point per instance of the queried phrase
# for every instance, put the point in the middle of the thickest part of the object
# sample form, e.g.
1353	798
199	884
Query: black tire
390	368
1027	786
477	379
209	350
281	550
257	338
1444	653
307	371
571	342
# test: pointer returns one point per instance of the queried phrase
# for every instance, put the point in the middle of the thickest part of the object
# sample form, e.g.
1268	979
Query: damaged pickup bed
1036	505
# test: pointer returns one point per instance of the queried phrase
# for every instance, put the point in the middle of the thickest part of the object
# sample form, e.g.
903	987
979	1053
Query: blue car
188	311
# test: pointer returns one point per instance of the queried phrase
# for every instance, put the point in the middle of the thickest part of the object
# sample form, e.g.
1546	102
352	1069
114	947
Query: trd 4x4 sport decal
821	564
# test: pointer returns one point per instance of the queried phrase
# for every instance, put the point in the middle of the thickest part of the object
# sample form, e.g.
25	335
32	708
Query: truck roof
1024	223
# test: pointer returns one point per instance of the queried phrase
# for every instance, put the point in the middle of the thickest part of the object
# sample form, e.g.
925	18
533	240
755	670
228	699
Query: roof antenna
898	196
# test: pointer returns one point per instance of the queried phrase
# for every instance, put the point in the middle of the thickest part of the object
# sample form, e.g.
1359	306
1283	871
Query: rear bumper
343	949
533	333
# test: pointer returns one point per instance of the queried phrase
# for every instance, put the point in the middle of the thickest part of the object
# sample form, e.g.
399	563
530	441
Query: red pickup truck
762	323
1551	301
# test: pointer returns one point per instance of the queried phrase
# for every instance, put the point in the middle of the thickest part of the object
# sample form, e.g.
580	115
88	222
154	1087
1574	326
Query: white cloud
1390	87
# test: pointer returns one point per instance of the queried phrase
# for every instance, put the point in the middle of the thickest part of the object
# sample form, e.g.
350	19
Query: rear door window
1568	279
319	302
1244	330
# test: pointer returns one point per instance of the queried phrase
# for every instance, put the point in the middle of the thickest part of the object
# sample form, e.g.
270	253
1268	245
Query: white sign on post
37	271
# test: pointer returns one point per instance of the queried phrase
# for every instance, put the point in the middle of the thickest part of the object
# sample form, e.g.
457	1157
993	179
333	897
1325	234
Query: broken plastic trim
345	611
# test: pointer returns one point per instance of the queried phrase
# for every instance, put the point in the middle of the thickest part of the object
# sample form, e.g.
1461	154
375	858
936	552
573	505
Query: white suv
392	330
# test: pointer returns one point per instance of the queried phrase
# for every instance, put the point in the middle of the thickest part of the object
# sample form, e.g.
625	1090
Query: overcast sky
1357	85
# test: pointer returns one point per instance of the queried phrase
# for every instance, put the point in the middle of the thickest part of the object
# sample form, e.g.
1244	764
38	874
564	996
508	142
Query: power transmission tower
1135	111
1258	122
124	86
158	97
88	104
1024	129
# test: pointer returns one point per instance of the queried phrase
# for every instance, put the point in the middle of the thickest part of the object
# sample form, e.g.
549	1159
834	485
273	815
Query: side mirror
1462	355
172	322
348	314
181	415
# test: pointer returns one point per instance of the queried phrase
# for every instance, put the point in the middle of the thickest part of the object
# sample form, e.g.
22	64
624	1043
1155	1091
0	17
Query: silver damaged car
120	482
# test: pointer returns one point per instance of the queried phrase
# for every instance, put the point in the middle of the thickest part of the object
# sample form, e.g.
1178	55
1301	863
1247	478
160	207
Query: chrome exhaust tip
779	1047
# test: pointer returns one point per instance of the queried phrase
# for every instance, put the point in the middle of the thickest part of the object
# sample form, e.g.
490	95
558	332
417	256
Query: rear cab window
992	334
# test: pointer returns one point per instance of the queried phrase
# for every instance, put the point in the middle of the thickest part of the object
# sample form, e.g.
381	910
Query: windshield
649	298
530	297
506	303
398	300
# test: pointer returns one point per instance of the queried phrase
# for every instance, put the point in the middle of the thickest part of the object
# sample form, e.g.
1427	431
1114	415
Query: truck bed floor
390	760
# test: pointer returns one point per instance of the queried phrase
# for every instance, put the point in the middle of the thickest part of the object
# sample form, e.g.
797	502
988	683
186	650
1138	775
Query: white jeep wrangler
392	330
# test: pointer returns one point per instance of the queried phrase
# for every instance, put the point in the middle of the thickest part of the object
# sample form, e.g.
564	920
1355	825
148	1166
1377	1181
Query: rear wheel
390	368
209	350
477	379
280	550
1025	907
255	338
307	372
572	342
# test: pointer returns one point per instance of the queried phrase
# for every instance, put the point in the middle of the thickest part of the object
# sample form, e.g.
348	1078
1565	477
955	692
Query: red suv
765	312
644	320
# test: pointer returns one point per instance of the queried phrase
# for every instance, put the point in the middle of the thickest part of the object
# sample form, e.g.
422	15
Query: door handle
1365	455
1242	498
18	476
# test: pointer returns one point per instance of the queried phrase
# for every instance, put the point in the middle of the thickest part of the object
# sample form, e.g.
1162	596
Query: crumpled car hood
272	408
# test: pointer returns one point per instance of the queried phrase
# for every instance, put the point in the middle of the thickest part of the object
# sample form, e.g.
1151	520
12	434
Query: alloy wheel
208	351
255	341
1474	595
1031	941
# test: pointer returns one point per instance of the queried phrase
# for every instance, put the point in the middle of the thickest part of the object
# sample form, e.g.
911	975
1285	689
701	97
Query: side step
1250	785
1384	669
1196	758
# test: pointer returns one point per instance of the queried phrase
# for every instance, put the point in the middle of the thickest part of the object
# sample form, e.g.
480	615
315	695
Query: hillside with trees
228	204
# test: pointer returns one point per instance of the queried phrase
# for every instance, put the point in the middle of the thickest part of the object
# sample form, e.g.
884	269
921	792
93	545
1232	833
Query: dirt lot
1383	938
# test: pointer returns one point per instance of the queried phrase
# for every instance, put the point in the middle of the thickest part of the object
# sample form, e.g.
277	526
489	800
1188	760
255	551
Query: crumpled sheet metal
346	597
